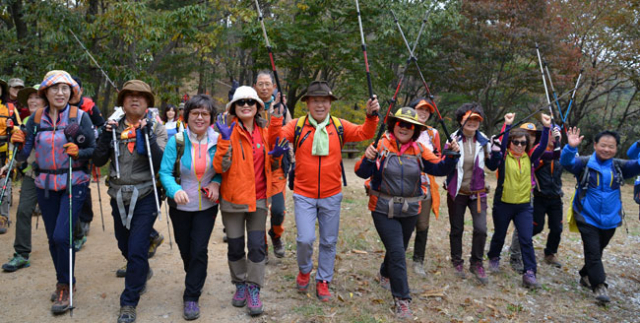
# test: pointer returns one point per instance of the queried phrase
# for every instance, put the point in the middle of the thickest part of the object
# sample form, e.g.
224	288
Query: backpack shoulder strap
36	120
179	152
298	131
339	128
73	114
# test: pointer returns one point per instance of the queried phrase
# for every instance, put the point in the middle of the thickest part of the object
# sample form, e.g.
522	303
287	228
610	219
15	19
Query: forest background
480	51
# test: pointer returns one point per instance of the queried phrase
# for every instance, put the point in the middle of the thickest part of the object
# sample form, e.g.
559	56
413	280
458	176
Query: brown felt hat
23	94
318	88
136	86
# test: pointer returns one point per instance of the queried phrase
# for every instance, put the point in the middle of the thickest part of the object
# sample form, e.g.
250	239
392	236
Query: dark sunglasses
406	125
519	143
248	102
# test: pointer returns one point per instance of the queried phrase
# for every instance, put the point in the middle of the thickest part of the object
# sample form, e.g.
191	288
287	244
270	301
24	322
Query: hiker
86	215
245	156
192	187
396	195
13	103
512	199
171	121
547	200
317	185
47	135
133	204
430	138
597	204
28	97
265	86
8	123
467	189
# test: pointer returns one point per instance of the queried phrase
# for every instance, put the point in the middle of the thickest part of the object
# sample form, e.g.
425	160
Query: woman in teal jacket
597	206
193	187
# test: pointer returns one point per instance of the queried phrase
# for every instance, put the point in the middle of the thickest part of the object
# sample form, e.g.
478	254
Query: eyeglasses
249	102
64	88
519	143
404	124
202	114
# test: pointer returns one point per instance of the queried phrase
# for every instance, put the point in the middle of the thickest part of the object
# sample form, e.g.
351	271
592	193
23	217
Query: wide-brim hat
245	92
408	114
318	88
136	86
58	76
23	94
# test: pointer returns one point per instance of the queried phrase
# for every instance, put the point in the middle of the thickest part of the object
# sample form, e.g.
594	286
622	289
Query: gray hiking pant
26	206
327	212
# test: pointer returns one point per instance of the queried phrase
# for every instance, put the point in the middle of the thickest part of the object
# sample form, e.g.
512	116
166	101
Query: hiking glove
18	138
280	147
224	130
72	150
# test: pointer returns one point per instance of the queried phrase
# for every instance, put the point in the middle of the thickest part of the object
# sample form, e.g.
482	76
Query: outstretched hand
224	130
508	118
373	106
546	120
280	147
573	137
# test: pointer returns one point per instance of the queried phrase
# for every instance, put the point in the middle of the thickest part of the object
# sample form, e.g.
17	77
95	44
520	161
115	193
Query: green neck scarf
321	137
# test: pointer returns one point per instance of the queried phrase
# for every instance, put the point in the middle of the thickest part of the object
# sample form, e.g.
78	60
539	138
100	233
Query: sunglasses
406	125
519	143
248	102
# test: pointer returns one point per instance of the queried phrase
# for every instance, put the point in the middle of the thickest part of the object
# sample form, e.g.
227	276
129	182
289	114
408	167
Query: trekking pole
393	101
70	237
153	179
364	51
116	151
269	49
553	91
544	82
94	60
537	110
96	172
566	115
426	87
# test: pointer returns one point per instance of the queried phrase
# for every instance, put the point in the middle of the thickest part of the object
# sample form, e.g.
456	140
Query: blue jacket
188	181
601	206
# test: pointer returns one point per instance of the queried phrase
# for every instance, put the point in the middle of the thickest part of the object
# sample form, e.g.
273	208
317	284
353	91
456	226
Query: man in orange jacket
317	191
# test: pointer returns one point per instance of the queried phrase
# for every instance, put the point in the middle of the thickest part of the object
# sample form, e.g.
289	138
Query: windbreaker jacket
234	160
320	177
188	179
454	180
601	205
400	175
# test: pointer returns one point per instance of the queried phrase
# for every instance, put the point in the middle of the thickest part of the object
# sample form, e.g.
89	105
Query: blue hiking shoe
16	263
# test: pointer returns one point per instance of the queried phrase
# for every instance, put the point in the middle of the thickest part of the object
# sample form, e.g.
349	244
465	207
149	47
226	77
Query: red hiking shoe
322	291
302	282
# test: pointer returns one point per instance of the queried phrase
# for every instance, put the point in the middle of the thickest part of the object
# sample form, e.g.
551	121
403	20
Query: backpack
73	118
179	152
296	143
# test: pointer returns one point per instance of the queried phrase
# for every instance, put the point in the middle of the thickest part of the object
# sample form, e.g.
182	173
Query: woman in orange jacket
245	164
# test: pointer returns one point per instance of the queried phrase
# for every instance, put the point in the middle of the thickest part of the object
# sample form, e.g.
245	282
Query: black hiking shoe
127	314
278	247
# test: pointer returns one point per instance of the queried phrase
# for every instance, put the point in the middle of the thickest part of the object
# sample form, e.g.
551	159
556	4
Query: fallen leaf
360	252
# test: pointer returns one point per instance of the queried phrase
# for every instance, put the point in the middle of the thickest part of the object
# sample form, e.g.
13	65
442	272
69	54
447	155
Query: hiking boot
149	275
122	271
529	280
62	302
278	247
16	263
85	227
516	265
4	224
553	261
253	300
385	283
127	314
77	244
403	311
418	268
458	270
478	271
154	244
601	294
494	265
191	310
584	281
322	291
302	282
240	296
